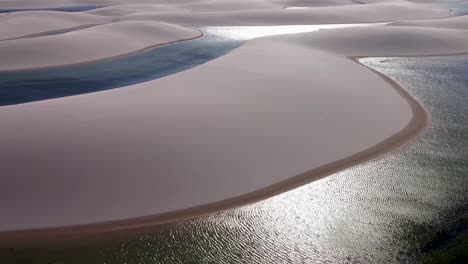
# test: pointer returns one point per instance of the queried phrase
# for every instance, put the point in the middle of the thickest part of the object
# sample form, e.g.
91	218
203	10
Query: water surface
81	8
395	209
39	84
458	8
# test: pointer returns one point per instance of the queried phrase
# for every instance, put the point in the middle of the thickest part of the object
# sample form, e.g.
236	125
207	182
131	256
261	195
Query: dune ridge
68	48
224	134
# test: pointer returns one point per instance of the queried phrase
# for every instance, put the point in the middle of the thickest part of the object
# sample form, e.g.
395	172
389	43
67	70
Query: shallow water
393	209
458	9
33	85
63	9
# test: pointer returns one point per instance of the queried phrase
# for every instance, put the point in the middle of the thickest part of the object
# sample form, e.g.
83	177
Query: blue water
393	209
33	85
458	9
39	84
63	9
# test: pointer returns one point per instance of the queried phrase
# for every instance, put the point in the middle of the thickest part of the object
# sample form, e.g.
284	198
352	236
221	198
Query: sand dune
178	136
13	4
20	24
386	40
269	116
316	3
320	15
239	132
121	10
100	44
205	6
455	23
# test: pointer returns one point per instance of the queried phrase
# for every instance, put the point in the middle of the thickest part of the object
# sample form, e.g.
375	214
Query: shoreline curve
199	36
94	232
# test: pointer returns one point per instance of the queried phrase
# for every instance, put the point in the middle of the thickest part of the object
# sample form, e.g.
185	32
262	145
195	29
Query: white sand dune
455	23
254	125
319	15
21	24
261	116
316	3
18	4
90	44
205	6
121	10
166	142
386	40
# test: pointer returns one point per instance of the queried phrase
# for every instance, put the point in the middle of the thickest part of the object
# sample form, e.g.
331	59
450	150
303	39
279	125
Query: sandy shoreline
52	32
124	54
177	139
201	35
66	236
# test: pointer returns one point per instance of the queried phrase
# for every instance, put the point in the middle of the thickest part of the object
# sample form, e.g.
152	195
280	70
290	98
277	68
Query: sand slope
89	44
455	23
258	117
386	40
20	24
204	6
319	15
15	4
176	137
254	125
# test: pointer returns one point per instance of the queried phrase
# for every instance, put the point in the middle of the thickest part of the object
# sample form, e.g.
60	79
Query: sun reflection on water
250	32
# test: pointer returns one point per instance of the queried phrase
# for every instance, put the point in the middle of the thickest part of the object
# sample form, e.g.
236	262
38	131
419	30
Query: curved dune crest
319	15
18	4
21	24
177	135
100	41
180	136
454	23
265	118
204	6
386	41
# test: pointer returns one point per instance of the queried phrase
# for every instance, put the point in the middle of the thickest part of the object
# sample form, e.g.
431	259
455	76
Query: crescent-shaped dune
21	24
21	4
267	117
319	15
453	22
156	147
101	43
205	6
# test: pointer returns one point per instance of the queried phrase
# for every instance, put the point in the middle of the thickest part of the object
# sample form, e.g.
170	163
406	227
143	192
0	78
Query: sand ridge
21	24
68	48
195	144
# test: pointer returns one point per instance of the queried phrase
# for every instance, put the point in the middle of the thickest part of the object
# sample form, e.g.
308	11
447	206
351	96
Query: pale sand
101	43
320	15
217	130
145	32
18	4
242	135
455	23
205	6
21	24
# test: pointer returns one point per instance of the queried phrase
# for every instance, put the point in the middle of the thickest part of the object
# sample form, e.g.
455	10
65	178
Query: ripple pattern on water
384	211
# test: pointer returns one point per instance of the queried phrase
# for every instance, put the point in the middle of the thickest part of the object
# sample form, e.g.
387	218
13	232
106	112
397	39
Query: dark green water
408	206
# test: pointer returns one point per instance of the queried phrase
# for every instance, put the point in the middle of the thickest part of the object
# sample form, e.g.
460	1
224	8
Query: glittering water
384	211
389	210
